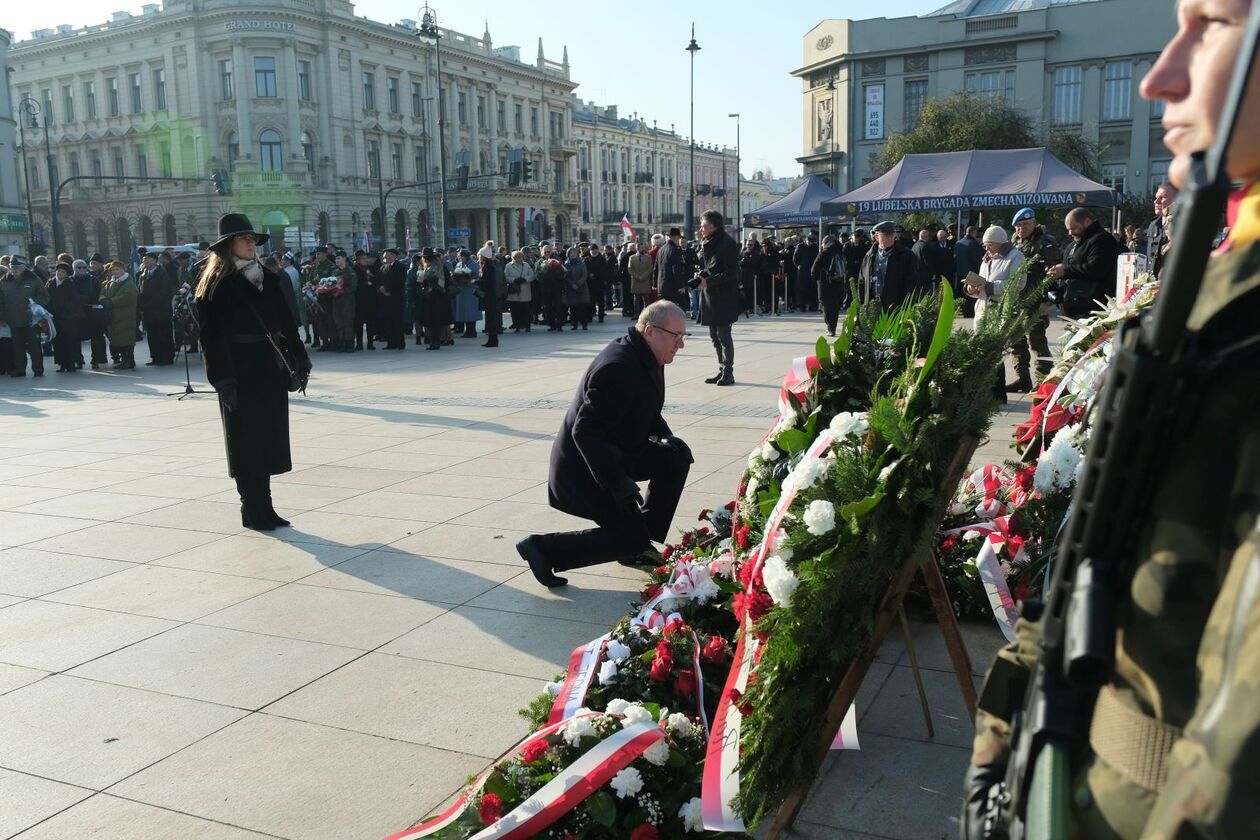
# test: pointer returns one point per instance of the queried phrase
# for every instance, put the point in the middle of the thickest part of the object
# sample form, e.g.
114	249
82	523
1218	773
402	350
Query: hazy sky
632	54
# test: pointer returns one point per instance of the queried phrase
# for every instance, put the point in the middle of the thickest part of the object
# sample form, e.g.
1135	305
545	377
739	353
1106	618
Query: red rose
1024	478
685	682
949	543
647	831
737	700
662	668
704	531
660	570
534	751
715	651
731	506
490	809
674	625
651	592
687	540
663	650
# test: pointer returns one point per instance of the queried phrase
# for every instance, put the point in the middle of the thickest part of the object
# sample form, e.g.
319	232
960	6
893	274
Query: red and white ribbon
847	736
797	381
995	535
583	665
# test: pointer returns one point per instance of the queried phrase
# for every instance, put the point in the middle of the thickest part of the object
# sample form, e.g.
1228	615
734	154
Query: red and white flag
627	227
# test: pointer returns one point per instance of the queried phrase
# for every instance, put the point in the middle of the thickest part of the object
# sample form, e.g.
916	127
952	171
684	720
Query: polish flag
627	227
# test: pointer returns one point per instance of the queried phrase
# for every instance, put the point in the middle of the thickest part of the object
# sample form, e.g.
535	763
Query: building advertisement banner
874	112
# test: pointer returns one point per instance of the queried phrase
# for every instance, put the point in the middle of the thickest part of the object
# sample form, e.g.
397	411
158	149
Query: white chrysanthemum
807	472
617	706
553	688
754	458
781	582
751	492
627	783
607	672
849	423
820	517
769	452
1057	465
658	753
577	729
617	651
679	724
692	815
634	713
705	591
971	536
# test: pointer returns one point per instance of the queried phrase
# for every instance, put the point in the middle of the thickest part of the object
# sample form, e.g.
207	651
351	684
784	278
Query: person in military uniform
1040	250
1174	742
18	289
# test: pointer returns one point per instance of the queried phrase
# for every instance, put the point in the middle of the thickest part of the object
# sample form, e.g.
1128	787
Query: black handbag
298	370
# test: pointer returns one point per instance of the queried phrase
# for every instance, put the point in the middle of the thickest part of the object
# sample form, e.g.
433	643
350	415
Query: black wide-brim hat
237	224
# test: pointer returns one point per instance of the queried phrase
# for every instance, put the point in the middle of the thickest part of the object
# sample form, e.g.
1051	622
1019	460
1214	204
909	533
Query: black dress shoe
714	379
257	522
532	553
728	379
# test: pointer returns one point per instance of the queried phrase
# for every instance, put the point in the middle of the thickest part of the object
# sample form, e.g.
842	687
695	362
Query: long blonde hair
218	266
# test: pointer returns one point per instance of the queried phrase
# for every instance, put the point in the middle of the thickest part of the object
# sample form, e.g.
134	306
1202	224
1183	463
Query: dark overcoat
237	354
719	302
901	279
616	409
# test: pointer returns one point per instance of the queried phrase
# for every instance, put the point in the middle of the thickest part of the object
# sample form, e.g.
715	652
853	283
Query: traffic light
221	184
527	171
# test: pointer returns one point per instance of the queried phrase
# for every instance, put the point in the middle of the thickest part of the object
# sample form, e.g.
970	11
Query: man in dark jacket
613	436
854	252
89	288
18	289
392	290
803	259
890	273
828	273
968	255
597	279
671	282
719	292
1088	270
157	289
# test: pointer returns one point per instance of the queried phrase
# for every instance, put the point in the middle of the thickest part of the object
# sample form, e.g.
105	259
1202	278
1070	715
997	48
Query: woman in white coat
1001	265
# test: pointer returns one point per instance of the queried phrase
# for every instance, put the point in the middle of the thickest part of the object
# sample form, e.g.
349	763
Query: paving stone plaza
165	673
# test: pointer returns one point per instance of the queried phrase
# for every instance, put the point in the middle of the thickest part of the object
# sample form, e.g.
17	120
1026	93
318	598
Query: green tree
959	123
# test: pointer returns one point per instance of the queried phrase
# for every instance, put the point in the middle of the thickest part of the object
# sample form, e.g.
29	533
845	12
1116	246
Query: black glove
227	396
679	446
977	787
627	498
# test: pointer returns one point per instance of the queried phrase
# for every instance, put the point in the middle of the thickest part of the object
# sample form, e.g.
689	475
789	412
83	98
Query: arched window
401	225
233	149
269	156
169	236
146	231
102	237
122	240
323	229
80	240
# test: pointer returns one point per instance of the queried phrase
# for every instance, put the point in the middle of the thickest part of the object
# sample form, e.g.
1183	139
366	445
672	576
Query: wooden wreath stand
890	608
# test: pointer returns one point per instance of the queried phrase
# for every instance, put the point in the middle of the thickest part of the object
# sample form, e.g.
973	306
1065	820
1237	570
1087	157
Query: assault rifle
1136	411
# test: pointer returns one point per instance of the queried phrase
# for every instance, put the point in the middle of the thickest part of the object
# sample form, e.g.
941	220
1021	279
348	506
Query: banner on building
874	112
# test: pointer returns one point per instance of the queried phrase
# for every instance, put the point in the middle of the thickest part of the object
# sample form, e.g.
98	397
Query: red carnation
741	535
687	540
1022	590
731	506
704	531
651	592
490	809
662	668
685	682
660	570
674	625
647	831
1024	478
714	651
754	604
737	700
534	751
949	542
663	650
747	578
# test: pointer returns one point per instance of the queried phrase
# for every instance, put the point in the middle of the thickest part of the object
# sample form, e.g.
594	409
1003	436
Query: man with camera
718	283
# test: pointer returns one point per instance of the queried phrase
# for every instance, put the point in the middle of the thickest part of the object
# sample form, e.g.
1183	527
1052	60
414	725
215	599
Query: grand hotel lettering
259	26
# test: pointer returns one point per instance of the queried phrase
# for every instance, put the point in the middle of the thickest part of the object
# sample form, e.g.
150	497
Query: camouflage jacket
1188	638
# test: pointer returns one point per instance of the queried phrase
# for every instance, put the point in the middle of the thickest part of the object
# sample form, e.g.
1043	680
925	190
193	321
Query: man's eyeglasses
678	336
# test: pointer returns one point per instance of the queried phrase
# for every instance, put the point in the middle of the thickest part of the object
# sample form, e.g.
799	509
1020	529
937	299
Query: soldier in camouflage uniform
1175	735
1040	250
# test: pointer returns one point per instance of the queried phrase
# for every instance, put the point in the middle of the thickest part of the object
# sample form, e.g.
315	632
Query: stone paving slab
165	673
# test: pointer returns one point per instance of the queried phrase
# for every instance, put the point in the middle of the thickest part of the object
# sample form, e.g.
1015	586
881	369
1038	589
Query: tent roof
979	179
799	207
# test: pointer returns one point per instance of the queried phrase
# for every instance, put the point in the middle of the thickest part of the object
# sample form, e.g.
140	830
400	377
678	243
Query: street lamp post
692	48
429	30
380	193
739	208
30	109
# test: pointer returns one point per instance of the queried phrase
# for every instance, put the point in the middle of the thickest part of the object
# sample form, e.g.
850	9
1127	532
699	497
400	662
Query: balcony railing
702	189
643	177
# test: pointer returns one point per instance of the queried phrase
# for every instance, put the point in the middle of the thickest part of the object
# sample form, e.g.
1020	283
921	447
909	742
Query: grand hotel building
314	114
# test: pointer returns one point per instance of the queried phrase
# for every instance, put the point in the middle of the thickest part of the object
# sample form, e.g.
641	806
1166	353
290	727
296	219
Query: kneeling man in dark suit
613	436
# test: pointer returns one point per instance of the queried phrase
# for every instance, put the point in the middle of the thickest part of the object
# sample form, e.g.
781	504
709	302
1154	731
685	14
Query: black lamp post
30	109
739	209
429	31
692	48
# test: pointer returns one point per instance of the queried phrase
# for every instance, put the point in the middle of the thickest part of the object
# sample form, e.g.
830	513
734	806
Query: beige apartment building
314	114
1072	65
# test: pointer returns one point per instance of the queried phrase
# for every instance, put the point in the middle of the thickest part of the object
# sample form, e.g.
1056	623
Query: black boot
254	504
264	485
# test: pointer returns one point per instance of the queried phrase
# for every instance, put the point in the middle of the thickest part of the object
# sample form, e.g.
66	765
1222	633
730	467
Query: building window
1067	95
500	115
995	84
89	99
265	77
164	155
111	91
1115	175
517	115
233	149
533	122
481	112
374	159
417	100
32	176
395	162
269	156
1117	90
142	164
46	96
1159	174
137	102
98	169
916	97
74	165
225	80
304	81
119	166
462	108
67	102
369	90
308	152
420	176
391	94
159	89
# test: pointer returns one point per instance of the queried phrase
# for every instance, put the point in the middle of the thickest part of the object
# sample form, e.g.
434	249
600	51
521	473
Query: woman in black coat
242	310
67	310
488	285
